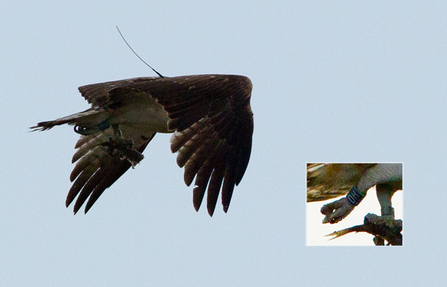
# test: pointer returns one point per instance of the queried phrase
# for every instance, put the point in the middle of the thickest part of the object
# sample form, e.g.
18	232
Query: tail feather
88	117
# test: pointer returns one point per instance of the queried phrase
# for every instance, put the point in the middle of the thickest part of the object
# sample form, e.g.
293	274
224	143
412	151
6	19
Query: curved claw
336	211
88	130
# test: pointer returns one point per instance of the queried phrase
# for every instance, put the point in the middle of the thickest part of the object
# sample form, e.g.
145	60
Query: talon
87	130
79	129
123	148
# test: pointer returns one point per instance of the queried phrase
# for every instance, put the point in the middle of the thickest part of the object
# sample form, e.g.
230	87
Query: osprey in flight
210	117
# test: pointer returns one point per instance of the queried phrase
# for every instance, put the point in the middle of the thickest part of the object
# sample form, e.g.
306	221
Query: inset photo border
354	204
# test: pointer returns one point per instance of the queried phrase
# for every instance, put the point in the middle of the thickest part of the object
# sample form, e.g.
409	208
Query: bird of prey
210	118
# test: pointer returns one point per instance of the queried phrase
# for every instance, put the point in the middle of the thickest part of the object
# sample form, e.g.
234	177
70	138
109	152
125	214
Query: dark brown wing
213	125
111	94
96	169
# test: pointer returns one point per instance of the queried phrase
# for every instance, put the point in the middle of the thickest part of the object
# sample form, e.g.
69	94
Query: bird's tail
86	122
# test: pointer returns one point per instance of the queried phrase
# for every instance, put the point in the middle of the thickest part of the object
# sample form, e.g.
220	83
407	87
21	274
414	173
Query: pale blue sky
334	81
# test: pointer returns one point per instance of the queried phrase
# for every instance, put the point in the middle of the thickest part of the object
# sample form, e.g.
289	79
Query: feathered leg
384	194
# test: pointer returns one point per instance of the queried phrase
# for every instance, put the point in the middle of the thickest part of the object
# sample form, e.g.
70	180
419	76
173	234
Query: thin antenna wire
161	76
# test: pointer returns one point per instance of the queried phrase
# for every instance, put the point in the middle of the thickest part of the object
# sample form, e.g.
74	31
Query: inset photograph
354	204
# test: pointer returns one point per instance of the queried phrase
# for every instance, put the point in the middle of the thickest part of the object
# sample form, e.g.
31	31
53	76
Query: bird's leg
123	148
91	129
384	194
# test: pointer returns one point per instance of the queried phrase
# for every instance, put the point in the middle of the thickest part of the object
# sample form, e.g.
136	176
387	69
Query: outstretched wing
210	116
213	125
96	169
